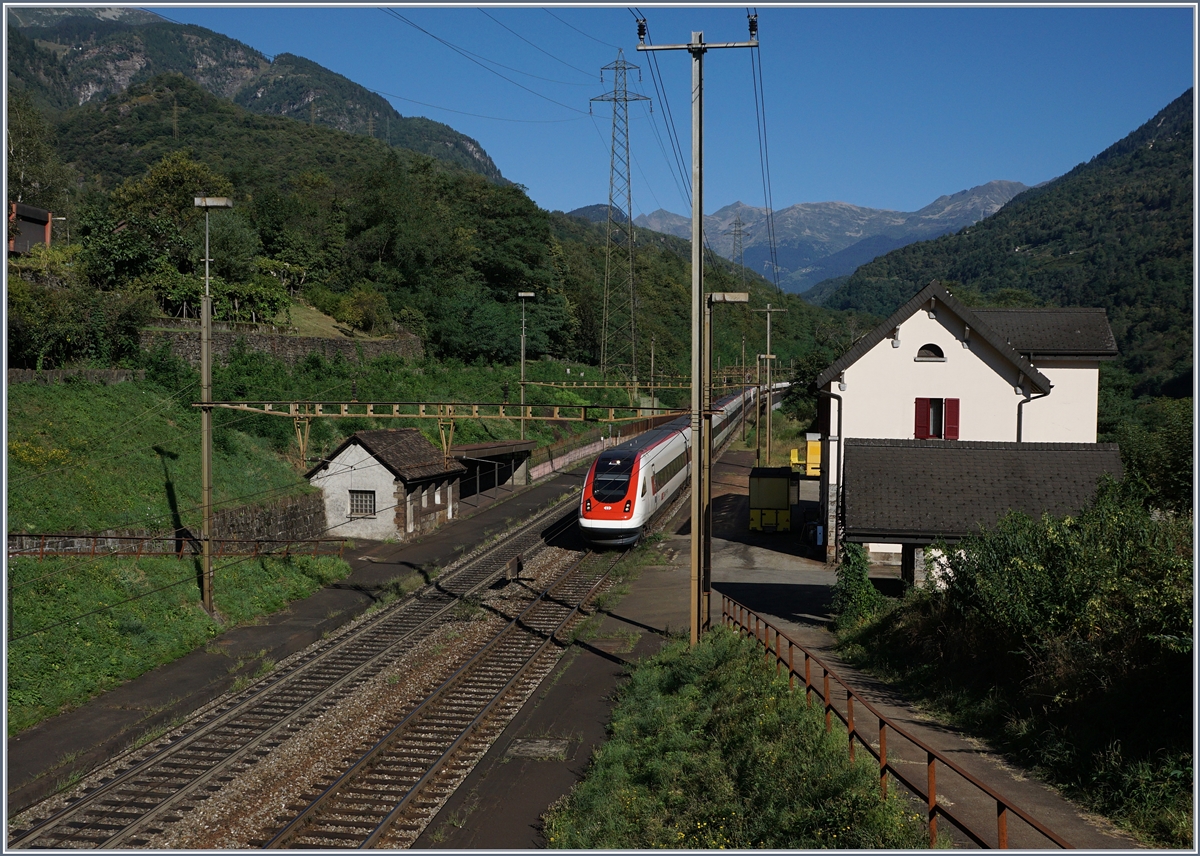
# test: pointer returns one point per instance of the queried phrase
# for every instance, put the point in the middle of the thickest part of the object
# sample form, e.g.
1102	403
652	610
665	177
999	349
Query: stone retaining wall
293	518
290	349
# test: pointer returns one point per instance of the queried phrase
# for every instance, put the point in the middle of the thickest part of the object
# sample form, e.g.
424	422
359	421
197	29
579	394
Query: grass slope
87	457
81	626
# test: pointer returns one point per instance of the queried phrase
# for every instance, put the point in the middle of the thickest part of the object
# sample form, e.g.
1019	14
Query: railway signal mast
701	499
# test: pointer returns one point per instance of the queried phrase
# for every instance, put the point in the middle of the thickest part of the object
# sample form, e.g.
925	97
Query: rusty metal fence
42	546
832	690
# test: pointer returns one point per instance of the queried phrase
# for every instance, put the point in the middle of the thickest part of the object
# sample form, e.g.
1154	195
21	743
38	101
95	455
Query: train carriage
631	483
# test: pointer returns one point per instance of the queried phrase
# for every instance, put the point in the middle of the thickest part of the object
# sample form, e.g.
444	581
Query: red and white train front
629	483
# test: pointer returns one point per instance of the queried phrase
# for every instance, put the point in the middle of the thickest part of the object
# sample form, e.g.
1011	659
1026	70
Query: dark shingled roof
916	491
1071	332
404	451
921	299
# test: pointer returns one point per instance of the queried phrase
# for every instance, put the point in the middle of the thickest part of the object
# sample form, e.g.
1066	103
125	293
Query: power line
537	48
581	32
467	55
479	115
760	111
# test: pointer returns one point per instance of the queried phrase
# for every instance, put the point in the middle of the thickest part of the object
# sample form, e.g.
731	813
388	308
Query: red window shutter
921	431
951	417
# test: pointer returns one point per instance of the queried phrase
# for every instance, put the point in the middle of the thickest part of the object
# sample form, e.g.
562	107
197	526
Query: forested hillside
371	235
68	60
1115	232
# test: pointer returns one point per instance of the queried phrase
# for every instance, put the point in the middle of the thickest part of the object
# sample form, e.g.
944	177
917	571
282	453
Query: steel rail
298	826
737	615
420	611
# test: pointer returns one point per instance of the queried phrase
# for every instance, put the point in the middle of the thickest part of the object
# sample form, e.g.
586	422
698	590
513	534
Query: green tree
36	176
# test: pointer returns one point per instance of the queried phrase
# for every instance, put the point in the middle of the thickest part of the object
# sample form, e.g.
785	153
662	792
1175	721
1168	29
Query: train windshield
612	477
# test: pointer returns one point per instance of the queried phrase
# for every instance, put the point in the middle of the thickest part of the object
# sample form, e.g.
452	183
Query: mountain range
816	241
1115	232
68	57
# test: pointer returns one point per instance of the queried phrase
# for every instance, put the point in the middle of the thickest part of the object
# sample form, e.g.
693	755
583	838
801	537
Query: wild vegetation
375	237
83	625
1066	642
709	749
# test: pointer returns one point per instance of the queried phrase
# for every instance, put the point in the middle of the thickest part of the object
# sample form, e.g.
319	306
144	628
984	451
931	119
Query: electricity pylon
618	337
737	246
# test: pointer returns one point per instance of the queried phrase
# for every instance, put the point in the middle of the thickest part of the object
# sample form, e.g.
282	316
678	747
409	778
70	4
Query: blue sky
879	107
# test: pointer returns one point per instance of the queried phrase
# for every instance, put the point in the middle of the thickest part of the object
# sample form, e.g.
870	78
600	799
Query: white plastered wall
355	469
1068	414
882	386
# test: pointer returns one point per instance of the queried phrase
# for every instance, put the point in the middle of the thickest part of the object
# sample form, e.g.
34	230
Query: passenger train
631	483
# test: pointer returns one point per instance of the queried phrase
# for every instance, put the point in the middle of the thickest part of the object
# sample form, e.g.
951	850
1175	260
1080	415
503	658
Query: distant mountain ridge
820	240
1115	232
73	56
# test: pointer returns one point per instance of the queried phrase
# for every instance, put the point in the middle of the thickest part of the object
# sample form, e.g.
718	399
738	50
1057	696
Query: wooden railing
749	623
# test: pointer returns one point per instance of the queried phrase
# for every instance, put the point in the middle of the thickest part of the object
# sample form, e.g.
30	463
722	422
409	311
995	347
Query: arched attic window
930	354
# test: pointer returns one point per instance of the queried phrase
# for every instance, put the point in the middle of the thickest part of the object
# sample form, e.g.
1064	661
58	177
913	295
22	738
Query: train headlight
587	505
628	503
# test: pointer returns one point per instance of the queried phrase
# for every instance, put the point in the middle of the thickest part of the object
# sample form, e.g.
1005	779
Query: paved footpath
545	750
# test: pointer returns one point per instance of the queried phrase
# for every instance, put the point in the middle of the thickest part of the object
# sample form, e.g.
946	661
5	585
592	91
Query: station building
944	417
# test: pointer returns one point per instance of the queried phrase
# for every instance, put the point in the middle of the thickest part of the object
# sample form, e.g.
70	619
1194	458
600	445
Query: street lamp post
706	445
206	578
67	226
523	295
769	356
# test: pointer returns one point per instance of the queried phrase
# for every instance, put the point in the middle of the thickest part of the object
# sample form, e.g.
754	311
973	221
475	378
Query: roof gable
938	295
403	451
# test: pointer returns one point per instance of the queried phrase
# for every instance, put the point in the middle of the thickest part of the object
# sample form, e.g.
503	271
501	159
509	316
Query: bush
709	749
1068	642
854	598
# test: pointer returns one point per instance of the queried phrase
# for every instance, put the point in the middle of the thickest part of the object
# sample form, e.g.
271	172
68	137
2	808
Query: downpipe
832	535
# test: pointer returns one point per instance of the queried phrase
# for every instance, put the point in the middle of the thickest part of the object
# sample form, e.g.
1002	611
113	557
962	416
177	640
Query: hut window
362	503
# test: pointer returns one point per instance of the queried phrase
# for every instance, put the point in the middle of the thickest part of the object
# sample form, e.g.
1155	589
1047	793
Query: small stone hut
387	484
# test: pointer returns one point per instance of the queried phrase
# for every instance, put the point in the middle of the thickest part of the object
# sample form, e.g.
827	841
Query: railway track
387	796
148	789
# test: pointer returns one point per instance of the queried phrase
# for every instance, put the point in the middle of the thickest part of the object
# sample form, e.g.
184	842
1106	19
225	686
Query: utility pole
618	335
652	373
206	527
769	356
701	490
743	387
524	295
